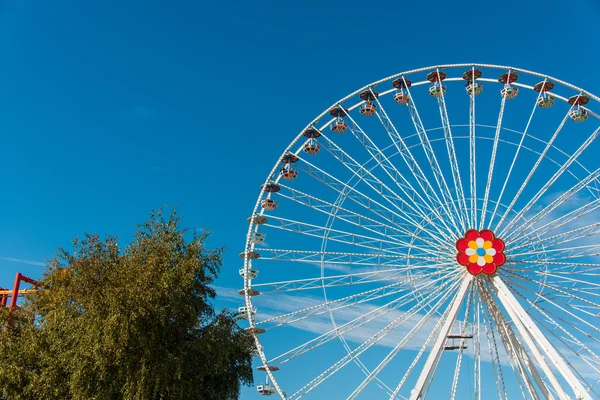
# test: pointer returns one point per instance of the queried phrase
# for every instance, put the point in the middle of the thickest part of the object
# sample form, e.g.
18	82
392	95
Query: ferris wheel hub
480	252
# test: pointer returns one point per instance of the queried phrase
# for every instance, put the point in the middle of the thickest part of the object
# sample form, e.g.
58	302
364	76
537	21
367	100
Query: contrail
20	260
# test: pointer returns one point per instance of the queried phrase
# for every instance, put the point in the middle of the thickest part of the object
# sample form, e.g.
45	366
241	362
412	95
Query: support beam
516	351
15	293
529	331
438	346
535	352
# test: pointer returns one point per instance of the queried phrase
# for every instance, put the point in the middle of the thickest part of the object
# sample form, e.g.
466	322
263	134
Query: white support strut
438	346
529	330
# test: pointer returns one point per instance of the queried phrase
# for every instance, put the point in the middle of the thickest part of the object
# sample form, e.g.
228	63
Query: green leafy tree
126	323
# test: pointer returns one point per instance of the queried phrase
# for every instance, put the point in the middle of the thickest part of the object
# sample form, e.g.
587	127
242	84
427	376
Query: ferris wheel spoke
407	206
548	316
350	301
418	326
573	235
559	268
442	185
358	278
390	169
588	335
431	157
359	220
493	348
528	179
392	219
564	253
571	291
591	177
336	235
416	359
436	350
560	323
418	175
516	155
561	293
346	328
441	297
591	363
566	219
356	323
344	258
488	185
452	155
472	165
370	204
592	360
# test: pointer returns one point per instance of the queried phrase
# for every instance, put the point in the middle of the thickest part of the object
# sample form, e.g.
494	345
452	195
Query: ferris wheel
424	237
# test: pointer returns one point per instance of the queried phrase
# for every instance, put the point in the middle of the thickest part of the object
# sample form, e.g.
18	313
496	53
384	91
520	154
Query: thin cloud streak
23	261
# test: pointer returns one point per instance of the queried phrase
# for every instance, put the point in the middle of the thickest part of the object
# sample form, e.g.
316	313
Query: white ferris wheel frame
519	315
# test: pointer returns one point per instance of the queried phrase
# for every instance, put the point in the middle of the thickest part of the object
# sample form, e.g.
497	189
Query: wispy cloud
228	294
23	261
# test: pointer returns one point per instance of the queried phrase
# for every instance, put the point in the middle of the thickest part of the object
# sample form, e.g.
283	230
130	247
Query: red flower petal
490	269
499	259
498	244
474	269
462	259
462	244
486	234
472	234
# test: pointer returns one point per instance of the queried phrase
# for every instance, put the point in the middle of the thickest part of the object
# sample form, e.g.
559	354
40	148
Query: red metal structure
16	291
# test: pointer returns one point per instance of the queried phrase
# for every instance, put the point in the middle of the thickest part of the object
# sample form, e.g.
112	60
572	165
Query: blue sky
110	109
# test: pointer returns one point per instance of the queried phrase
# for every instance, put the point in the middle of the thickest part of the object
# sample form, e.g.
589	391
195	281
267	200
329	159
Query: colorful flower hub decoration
480	251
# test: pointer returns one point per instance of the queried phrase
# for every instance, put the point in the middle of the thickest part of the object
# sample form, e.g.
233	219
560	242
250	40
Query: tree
131	323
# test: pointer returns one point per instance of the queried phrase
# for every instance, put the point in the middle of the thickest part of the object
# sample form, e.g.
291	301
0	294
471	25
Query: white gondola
437	90
578	114
545	101
257	237
311	147
368	109
269	204
265	390
401	98
339	126
248	273
510	92
474	88
245	312
288	173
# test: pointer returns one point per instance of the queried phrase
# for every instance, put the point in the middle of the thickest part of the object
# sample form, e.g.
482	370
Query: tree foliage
126	323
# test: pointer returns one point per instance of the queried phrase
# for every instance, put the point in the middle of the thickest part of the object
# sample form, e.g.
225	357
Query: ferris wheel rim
440	66
273	177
